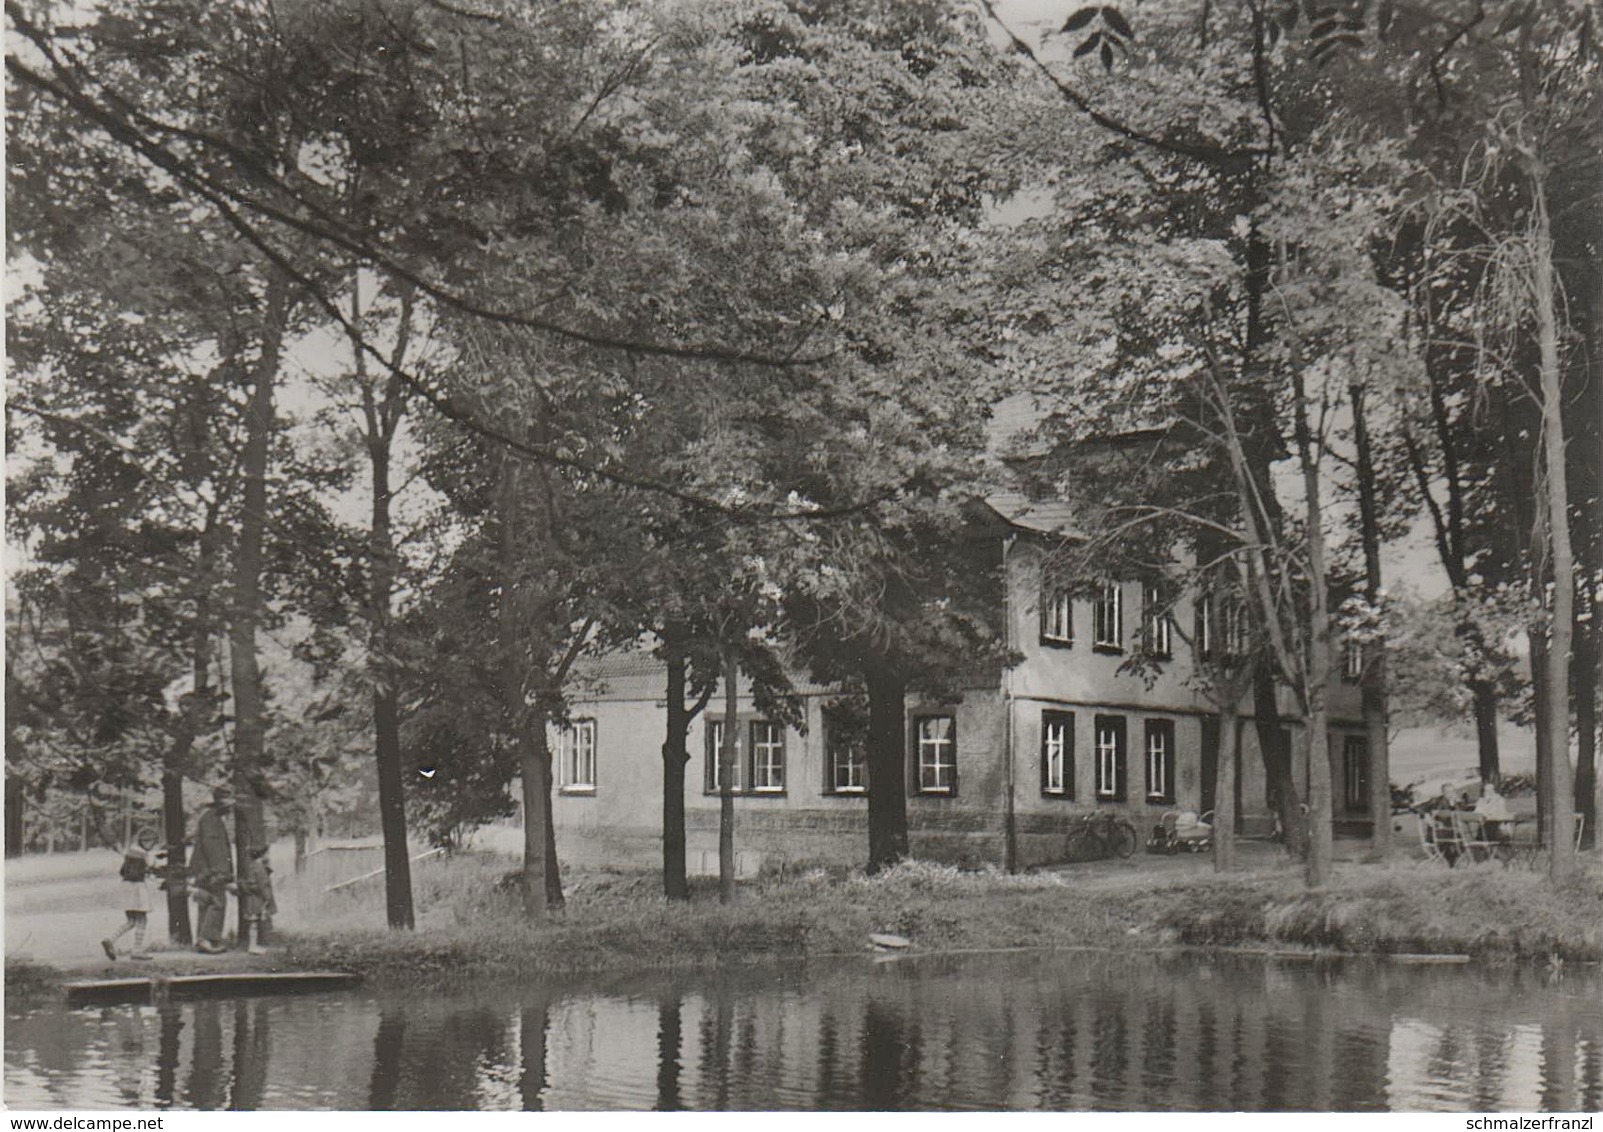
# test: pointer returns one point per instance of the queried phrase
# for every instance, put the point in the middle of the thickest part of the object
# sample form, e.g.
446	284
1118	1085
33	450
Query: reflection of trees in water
205	1087
670	1026
384	1084
170	1027
1093	1032
251	1054
533	1024
890	1058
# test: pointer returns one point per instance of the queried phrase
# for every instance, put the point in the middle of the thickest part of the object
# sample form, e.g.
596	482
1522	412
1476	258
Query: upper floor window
1110	758
1157	630
576	757
1057	614
1057	754
1107	617
846	752
1160	760
1221	628
1352	662
936	736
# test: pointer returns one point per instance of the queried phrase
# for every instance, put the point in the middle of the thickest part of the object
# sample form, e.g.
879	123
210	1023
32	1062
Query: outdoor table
1515	838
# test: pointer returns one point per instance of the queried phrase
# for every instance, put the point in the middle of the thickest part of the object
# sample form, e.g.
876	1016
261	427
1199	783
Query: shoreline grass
471	927
619	922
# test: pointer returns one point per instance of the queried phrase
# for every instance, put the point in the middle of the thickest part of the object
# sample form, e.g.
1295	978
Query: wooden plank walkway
157	988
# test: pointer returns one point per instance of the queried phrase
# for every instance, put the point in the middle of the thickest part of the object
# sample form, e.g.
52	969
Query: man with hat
212	868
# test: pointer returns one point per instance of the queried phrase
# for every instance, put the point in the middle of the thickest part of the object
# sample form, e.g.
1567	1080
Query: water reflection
1020	1032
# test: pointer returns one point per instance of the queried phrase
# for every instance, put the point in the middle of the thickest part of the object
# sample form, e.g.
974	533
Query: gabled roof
634	673
1045	516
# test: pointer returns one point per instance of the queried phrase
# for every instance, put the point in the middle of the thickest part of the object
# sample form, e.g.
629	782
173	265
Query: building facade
1002	769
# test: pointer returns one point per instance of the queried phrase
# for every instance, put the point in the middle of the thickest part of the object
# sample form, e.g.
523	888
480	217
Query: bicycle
1100	835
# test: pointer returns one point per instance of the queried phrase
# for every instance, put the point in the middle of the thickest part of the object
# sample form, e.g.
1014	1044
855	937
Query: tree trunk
726	780
541	883
381	418
1584	677
1484	697
172	810
1559	787
534	768
887	761
1316	715
14	816
1274	749
675	757
553	865
386	708
250	723
1224	794
1374	691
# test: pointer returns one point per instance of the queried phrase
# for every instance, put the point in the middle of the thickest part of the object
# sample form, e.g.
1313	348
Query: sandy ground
59	907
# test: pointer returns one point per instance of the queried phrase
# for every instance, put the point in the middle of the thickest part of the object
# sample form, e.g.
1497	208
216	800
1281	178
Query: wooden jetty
158	988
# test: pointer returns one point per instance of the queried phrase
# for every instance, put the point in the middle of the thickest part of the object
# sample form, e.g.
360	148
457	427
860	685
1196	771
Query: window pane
1057	752
715	743
936	753
767	756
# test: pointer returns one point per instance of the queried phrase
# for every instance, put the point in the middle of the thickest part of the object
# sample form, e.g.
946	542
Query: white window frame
1159	628
937	755
1110	737
576	757
715	736
845	756
1057	738
767	757
1160	739
1057	615
1233	629
1107	617
1352	661
1205	633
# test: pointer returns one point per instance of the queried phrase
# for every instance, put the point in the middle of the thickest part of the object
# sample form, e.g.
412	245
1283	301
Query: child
135	873
256	895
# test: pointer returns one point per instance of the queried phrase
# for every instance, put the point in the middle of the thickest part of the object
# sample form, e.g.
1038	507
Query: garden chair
1427	841
1444	831
1472	836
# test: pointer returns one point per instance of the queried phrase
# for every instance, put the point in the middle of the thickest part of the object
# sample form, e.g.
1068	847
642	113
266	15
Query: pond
1184	1031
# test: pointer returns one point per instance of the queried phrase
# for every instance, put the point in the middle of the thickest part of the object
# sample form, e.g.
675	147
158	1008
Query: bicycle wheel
1080	845
1123	838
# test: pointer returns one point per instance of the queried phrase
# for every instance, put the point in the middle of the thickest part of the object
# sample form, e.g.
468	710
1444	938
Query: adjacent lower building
999	771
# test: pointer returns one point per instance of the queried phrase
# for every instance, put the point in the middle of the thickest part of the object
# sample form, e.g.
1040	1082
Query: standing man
212	870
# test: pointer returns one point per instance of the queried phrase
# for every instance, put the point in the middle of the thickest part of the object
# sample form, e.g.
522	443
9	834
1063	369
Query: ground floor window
846	751
1355	773
1057	754
576	757
937	754
1110	758
715	743
767	757
1160	760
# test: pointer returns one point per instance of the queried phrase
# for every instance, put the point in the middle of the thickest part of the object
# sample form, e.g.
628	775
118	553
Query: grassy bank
473	927
29	983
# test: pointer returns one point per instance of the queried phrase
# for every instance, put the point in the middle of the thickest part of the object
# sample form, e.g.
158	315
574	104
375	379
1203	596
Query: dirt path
59	907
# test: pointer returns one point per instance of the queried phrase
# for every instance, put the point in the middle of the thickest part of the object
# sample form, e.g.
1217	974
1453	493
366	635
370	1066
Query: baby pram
1182	830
